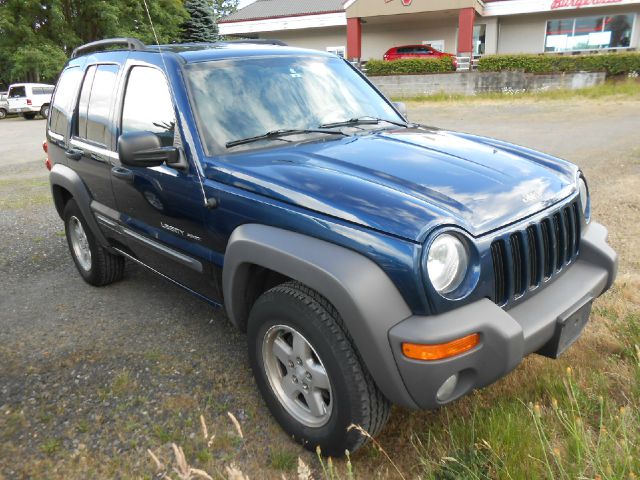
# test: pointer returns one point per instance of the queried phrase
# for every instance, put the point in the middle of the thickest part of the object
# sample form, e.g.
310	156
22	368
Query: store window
479	39
589	33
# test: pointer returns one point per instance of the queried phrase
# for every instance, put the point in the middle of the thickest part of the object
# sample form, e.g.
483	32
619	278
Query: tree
222	8
205	14
201	27
37	36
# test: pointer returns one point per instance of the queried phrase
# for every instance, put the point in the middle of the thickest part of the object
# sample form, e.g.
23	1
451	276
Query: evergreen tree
201	27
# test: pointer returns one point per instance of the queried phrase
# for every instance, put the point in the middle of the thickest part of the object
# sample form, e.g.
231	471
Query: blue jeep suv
371	261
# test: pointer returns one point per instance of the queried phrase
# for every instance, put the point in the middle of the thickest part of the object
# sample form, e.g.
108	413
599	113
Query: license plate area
569	326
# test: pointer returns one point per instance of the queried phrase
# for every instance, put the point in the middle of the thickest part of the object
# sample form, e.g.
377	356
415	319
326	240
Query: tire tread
376	408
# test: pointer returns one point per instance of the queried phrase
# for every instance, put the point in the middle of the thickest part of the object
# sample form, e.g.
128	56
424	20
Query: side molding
363	294
68	179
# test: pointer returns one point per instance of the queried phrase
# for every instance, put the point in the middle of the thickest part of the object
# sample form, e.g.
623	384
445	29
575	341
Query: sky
244	3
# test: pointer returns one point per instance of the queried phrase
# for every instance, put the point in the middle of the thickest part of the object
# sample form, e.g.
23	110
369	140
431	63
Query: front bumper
506	336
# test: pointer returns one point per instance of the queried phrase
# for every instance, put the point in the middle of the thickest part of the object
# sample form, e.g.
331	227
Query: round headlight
447	263
584	195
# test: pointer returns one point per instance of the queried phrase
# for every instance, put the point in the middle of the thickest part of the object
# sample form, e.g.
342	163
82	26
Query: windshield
248	97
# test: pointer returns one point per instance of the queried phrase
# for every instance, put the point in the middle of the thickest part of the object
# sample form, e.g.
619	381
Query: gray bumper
506	336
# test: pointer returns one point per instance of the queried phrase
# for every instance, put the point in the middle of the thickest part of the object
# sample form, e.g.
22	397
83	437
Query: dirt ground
91	378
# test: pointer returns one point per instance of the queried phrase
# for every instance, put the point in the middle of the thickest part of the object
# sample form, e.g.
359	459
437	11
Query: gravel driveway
92	377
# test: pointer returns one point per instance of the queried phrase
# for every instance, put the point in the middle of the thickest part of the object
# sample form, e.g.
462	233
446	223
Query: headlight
447	263
584	195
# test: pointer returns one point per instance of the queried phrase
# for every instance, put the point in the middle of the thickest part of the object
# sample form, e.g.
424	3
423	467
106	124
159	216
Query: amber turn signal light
439	351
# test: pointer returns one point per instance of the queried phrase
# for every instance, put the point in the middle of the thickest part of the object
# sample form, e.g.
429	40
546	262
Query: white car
4	105
29	99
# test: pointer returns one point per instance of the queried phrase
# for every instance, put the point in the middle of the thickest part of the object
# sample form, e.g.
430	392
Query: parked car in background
4	105
30	99
405	52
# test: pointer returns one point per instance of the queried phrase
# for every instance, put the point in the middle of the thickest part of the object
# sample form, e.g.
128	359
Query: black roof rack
258	41
101	45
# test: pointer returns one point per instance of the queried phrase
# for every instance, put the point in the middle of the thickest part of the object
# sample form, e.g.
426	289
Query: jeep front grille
524	259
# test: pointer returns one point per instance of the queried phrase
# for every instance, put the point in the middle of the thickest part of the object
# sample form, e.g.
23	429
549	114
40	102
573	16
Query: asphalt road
92	377
21	140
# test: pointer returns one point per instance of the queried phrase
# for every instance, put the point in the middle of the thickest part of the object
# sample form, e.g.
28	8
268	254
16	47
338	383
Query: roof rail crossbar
258	41
101	45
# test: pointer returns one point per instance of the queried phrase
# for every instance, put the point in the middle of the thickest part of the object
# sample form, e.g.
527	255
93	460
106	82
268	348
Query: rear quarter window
64	99
17	92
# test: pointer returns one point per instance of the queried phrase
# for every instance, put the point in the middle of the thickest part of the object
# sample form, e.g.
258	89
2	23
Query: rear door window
95	104
63	101
100	104
148	106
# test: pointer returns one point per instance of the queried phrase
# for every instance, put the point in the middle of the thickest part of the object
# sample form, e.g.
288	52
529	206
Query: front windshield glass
241	98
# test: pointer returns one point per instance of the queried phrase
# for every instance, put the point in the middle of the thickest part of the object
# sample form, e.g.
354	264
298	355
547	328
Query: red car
415	51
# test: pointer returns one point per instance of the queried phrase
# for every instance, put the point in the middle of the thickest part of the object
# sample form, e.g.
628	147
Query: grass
624	89
51	446
578	417
284	460
24	193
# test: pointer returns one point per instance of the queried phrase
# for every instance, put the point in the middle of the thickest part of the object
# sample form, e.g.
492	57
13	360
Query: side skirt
213	303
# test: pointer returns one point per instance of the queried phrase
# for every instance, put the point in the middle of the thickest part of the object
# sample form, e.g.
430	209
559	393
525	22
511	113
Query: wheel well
259	280
60	198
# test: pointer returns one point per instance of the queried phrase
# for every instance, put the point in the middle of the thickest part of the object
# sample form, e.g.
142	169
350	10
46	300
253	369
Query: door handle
74	154
122	173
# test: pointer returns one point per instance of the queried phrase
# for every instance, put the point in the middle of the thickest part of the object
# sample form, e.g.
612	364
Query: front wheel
309	373
44	111
3	113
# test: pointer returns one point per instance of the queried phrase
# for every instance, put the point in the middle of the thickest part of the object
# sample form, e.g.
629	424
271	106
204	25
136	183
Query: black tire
3	113
356	399
105	268
44	111
29	116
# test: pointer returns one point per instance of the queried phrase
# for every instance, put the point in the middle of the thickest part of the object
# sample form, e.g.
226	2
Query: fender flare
367	300
65	177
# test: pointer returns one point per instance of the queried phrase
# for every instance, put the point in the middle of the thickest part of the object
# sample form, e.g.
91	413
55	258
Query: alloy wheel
297	376
79	243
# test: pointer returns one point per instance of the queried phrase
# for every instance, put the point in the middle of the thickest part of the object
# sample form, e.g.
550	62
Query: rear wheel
44	111
97	266
3	113
29	116
309	373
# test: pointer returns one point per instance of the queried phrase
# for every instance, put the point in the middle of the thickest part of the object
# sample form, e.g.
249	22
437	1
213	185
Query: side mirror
144	149
401	107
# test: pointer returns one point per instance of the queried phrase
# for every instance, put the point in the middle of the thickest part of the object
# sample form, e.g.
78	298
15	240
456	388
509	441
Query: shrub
611	63
410	67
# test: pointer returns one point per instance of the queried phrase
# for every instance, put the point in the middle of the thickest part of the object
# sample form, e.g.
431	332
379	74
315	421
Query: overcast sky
244	3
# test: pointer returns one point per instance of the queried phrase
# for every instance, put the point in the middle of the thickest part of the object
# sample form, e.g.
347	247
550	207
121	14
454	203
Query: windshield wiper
363	121
283	133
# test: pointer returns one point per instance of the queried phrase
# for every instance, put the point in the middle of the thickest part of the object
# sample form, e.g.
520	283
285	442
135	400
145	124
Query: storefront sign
406	3
556	4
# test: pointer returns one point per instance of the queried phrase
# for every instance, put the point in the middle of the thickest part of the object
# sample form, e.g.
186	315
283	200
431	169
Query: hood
405	182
